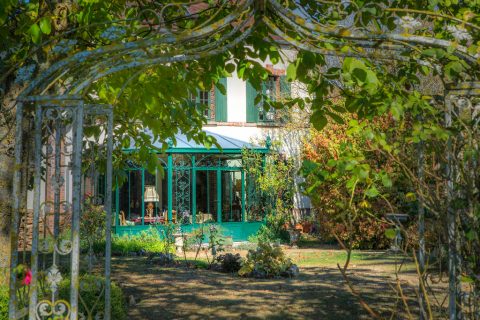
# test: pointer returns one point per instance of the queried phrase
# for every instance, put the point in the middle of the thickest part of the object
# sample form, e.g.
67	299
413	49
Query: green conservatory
199	186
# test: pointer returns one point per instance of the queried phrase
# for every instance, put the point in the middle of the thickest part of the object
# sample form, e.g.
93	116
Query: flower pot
298	226
307	227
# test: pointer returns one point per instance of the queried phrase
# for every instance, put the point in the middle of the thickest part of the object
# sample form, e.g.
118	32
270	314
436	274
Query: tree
442	40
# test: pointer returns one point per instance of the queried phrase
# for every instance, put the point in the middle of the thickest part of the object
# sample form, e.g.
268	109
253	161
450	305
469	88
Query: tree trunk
7	162
6	178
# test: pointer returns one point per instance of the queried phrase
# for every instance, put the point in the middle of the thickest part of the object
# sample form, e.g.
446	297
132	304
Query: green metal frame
237	233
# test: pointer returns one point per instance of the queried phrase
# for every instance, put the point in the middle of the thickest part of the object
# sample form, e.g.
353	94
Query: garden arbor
58	102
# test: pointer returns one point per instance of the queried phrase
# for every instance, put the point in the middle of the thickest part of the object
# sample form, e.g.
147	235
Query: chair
122	218
203	217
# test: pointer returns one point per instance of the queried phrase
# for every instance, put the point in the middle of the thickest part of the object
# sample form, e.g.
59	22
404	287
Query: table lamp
150	196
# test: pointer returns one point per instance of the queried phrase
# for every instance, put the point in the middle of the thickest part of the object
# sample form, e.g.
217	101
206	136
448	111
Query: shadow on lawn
179	293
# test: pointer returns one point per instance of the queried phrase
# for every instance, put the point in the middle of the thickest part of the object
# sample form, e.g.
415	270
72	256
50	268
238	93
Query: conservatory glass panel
135	196
206	197
231	196
155	198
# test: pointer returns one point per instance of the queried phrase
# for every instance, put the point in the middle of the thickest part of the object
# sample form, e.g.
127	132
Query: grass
330	258
318	293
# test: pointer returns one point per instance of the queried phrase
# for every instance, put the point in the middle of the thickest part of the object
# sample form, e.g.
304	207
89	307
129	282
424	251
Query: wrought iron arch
218	34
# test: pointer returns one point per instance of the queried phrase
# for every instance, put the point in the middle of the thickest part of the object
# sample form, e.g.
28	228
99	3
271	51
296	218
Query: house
200	185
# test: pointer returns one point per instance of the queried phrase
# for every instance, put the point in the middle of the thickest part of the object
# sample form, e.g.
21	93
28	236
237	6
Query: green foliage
150	241
352	188
266	261
92	223
274	229
4	299
92	300
272	178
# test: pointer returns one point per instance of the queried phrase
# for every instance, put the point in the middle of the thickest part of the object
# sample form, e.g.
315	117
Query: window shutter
252	112
221	103
285	87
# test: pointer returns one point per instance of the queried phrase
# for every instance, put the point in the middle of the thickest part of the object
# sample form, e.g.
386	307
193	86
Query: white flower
408	23
459	33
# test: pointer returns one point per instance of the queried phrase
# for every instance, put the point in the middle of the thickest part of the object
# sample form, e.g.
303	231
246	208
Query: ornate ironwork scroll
57	139
463	111
182	185
229	25
51	227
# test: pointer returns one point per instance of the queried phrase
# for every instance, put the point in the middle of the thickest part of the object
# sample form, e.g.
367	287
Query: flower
408	22
28	278
459	33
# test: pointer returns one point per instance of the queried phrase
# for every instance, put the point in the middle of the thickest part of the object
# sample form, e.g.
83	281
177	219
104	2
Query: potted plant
307	224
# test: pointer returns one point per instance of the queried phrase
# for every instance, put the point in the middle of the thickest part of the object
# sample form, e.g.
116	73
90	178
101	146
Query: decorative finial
170	143
268	142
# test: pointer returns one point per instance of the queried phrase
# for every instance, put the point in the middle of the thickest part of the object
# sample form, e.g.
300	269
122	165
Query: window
273	89
206	196
204	100
142	198
215	110
231	196
270	91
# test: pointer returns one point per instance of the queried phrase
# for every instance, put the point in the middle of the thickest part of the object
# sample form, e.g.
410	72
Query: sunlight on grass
330	258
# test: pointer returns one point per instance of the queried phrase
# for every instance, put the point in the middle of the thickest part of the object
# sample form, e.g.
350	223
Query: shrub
230	262
91	294
4	302
148	241
92	227
274	229
366	233
267	261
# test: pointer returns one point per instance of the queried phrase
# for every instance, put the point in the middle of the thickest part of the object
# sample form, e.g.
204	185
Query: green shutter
252	113
221	103
285	87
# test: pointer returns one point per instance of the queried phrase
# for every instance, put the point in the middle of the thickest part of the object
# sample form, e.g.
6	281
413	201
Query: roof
227	145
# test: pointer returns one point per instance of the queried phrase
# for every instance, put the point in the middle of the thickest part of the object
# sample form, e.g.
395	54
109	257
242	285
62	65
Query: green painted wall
239	231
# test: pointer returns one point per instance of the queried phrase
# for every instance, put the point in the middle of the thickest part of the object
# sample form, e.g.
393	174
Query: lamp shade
150	194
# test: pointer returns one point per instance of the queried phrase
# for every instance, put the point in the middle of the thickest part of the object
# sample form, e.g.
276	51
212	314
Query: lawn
319	292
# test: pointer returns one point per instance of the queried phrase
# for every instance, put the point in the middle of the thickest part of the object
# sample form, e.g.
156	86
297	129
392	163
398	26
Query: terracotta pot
307	227
298	226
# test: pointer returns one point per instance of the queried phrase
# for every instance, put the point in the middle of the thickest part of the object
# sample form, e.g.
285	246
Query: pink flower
28	278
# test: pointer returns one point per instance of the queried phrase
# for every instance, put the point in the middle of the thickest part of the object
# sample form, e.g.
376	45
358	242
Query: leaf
390	233
35	33
318	120
470	235
372	192
336	117
291	72
466	279
410	197
230	67
46	25
387	182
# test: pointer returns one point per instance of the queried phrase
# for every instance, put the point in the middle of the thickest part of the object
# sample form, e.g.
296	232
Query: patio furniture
204	217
